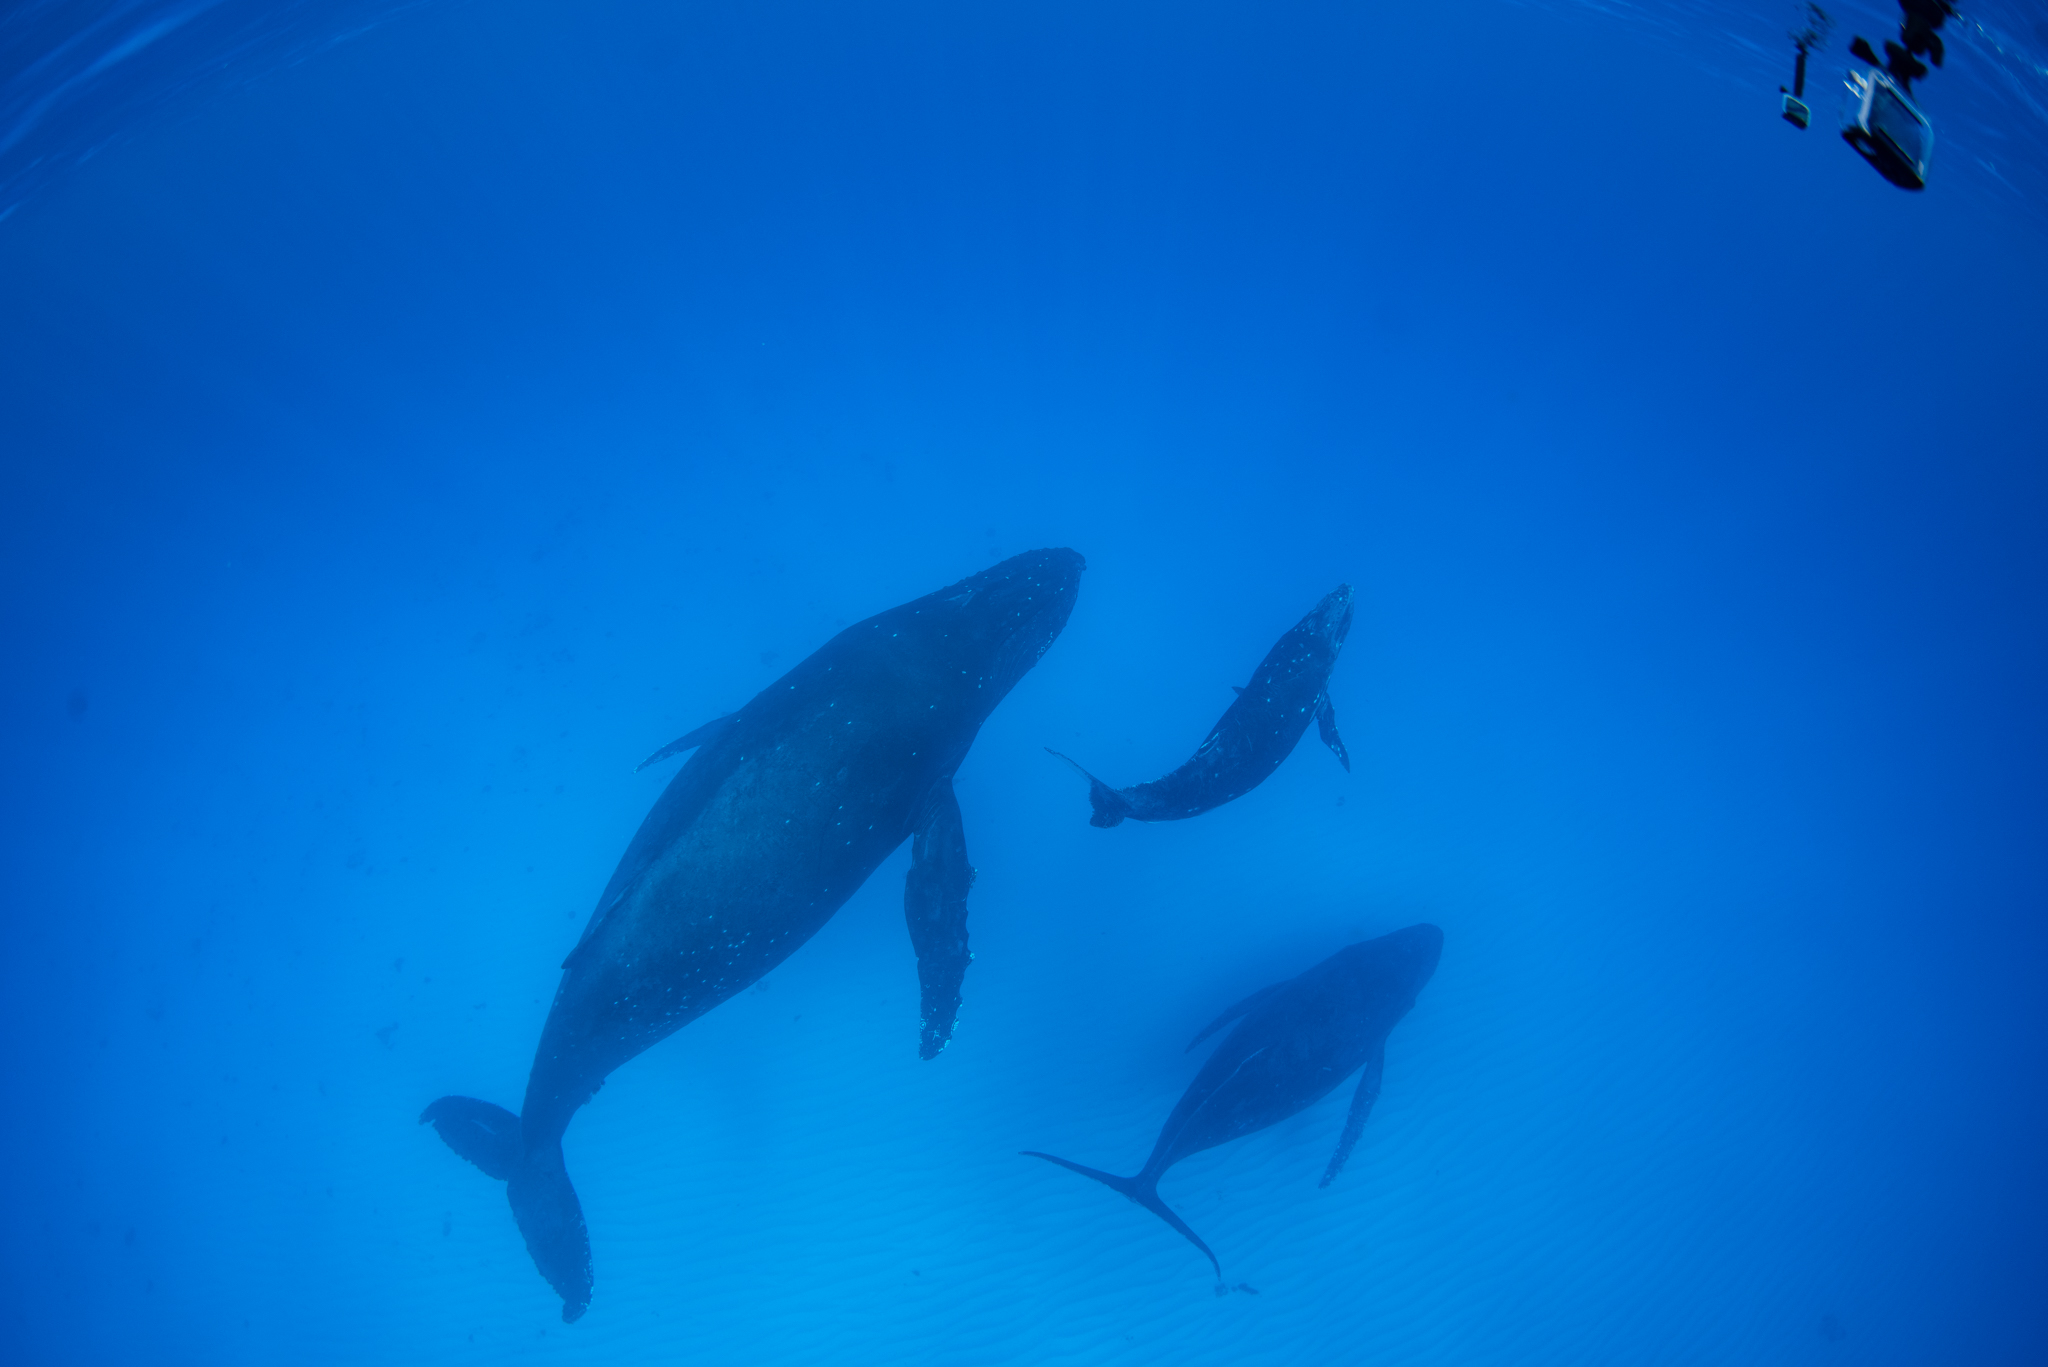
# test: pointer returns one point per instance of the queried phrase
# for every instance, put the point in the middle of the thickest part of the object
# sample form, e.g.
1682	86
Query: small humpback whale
1298	1039
786	808
1257	732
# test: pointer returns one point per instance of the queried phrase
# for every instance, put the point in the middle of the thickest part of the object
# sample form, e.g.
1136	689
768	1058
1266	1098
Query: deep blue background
398	446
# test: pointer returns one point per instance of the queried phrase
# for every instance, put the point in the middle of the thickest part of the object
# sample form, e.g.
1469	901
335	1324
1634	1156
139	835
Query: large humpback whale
1297	1041
1288	689
786	808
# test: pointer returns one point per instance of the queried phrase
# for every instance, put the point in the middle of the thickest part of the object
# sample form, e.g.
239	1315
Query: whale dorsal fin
629	868
1233	1013
701	736
1235	689
642	851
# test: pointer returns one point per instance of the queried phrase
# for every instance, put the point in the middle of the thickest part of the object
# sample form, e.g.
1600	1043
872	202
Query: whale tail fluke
1141	1189
486	1135
551	1218
536	1182
1111	806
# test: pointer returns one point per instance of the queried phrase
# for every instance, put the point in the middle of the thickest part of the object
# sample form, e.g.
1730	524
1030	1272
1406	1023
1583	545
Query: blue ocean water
415	415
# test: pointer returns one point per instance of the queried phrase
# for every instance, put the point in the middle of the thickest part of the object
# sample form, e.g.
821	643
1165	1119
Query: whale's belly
785	839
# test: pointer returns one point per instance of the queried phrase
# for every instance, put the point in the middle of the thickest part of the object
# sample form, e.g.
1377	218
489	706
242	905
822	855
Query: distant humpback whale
1297	1041
786	808
1257	732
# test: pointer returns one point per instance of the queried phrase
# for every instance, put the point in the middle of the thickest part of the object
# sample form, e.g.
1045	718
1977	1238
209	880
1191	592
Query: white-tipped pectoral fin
1326	727
935	906
1361	1107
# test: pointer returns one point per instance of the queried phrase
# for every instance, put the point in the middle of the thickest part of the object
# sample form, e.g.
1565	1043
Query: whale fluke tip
1109	807
1140	1190
543	1202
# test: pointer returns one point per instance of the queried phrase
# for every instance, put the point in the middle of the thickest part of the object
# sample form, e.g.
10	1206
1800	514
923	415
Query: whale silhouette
1258	731
786	808
1297	1041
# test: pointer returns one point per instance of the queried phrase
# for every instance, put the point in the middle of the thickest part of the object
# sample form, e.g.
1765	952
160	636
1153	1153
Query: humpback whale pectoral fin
1326	727
1232	1013
1361	1107
935	906
701	736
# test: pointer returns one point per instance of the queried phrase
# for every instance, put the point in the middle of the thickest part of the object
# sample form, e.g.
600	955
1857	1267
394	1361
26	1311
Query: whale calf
1288	690
1295	1042
785	809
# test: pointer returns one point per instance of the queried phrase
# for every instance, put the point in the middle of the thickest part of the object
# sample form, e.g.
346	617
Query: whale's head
1400	964
1331	619
996	624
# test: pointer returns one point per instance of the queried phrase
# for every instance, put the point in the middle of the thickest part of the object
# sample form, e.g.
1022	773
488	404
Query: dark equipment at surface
1793	108
1792	104
1919	36
1879	118
1887	129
